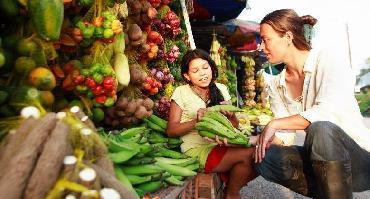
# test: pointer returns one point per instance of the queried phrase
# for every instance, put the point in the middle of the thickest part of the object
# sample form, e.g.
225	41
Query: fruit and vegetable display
87	77
226	66
85	88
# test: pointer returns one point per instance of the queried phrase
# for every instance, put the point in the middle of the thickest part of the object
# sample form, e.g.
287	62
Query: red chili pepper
79	79
90	83
111	93
109	83
101	99
98	90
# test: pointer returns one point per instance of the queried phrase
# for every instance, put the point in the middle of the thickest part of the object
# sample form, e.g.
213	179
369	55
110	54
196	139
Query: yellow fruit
47	98
42	78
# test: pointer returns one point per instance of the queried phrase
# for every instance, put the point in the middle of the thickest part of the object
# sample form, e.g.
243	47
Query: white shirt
328	95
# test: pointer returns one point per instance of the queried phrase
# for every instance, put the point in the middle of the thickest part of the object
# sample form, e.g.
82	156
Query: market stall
84	95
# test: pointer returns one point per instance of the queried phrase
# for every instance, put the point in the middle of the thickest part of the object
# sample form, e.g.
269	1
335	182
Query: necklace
204	97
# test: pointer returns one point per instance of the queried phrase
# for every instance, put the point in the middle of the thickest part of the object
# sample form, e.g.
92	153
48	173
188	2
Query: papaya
47	98
26	47
24	96
42	78
47	17
24	64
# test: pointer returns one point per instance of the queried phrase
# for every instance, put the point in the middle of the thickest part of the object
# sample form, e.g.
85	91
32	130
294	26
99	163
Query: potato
122	103
141	112
148	104
134	32
131	107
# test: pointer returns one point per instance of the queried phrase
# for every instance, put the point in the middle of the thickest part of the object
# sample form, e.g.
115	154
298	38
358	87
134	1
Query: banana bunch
215	124
249	87
214	51
146	160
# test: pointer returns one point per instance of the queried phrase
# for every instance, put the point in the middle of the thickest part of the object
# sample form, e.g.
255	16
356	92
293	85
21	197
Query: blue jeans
291	166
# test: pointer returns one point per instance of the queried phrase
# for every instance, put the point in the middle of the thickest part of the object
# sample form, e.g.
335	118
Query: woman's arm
294	122
174	127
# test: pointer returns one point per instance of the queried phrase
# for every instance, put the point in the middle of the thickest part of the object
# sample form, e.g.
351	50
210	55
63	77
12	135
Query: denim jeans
291	166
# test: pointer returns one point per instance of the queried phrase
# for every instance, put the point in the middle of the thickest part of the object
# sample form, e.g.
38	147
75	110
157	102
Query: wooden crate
202	186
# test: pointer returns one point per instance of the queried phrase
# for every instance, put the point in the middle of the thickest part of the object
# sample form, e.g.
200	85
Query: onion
159	75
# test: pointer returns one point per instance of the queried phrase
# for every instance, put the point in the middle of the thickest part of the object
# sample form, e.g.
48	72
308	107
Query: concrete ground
263	189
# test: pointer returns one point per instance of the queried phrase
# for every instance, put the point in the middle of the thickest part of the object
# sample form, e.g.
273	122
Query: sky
332	15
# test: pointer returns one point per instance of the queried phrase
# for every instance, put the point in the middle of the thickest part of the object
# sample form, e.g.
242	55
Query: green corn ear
135	179
219	117
124	181
158	121
154	126
163	152
215	127
174	141
139	161
122	156
150	186
146	169
155	137
176	170
129	133
193	167
223	107
174	181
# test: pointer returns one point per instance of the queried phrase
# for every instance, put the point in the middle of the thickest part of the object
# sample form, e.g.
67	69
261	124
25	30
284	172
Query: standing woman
188	104
314	93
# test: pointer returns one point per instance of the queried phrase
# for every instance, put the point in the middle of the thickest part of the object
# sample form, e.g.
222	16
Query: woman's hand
220	141
232	117
264	141
200	113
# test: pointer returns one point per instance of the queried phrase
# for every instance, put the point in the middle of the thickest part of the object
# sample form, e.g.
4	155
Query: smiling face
200	73
273	44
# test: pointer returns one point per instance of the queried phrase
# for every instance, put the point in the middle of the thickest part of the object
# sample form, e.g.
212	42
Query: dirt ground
263	189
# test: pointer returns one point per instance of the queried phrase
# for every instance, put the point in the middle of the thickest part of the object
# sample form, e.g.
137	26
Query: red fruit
159	85
90	83
147	86
68	68
109	83
79	79
154	84
149	80
98	90
101	99
153	91
98	21
111	93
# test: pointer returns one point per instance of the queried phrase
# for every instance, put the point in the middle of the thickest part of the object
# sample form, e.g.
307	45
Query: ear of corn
223	107
219	117
176	170
139	161
124	180
158	121
129	133
178	162
142	169
193	167
122	156
150	186
154	126
174	181
214	127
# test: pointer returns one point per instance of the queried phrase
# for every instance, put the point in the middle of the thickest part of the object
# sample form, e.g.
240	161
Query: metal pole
349	46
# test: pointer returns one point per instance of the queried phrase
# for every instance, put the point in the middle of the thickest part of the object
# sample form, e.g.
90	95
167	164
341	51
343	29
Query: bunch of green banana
146	160
215	124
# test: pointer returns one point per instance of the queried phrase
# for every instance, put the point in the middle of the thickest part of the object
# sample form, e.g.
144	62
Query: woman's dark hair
285	20
215	94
